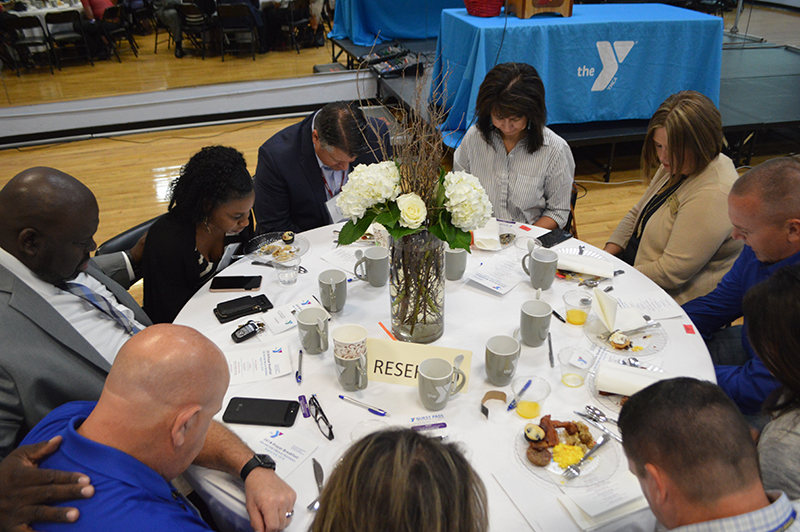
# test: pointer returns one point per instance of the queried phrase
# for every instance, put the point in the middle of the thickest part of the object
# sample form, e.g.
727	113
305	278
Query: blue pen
372	409
298	375
513	403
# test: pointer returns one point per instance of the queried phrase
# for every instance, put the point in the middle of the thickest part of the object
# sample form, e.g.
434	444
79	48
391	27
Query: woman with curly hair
525	168
212	198
398	480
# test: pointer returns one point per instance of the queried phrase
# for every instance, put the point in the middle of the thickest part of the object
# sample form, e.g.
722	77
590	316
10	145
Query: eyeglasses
319	416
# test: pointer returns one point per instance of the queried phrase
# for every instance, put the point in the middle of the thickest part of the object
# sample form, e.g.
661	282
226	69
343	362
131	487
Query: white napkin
488	236
588	523
584	264
612	316
625	380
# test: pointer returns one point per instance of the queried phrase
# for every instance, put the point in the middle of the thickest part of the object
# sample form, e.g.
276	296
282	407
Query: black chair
65	32
28	39
293	26
237	27
117	29
572	224
127	239
196	24
157	25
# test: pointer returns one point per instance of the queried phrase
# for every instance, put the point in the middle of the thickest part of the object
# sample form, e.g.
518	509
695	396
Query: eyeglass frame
318	414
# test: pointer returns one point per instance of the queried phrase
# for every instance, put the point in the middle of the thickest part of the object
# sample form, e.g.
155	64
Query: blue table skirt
648	52
367	22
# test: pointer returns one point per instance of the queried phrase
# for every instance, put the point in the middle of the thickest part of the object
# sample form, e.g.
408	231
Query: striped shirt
779	516
522	186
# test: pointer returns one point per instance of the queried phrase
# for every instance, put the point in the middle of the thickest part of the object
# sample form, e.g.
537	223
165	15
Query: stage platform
759	91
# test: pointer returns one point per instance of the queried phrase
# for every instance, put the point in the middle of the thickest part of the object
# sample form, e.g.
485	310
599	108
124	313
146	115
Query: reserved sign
398	362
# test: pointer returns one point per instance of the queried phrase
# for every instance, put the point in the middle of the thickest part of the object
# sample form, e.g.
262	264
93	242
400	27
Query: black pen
557	315
298	375
550	347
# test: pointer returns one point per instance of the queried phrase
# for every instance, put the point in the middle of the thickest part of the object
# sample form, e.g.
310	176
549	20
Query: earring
205	222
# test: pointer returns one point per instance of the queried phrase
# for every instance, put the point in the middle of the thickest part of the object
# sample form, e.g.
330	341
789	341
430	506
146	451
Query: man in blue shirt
764	208
150	423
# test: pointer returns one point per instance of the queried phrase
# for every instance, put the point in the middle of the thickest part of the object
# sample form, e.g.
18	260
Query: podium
528	8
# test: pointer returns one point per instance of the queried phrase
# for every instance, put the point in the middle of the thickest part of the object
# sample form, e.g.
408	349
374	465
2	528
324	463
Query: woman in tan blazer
679	234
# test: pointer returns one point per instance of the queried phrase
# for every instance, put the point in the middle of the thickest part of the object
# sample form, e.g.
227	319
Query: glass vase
417	287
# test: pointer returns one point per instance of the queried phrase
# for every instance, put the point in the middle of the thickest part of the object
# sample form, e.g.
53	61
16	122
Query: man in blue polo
764	207
150	423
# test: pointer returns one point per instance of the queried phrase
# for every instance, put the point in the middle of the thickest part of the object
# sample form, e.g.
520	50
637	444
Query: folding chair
64	31
195	25
29	39
237	26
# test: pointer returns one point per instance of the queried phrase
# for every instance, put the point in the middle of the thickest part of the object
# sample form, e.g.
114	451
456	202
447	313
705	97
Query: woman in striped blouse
526	169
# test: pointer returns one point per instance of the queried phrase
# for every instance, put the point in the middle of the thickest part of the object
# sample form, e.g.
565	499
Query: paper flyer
258	364
500	275
285	317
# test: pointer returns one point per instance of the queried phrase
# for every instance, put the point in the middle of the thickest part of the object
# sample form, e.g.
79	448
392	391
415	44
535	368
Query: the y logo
610	62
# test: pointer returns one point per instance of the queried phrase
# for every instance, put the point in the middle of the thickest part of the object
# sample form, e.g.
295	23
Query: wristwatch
259	460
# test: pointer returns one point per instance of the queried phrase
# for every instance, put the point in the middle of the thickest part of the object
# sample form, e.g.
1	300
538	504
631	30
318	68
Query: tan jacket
686	246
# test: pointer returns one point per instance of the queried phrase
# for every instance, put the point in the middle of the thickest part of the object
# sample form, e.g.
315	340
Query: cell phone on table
252	411
554	237
235	283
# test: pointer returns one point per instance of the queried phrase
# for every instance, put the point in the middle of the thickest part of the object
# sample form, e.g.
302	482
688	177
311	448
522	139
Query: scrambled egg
637	348
566	455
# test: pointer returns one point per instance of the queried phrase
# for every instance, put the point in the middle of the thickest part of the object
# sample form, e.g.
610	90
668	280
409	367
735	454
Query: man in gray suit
58	347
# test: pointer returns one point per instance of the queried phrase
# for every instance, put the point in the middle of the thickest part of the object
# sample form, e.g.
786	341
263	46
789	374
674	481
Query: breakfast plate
598	469
643	344
268	246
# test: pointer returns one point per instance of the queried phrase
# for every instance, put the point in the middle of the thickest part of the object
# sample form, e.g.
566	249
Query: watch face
265	461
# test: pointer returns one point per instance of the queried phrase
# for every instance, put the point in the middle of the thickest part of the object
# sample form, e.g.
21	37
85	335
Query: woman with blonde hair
679	234
402	481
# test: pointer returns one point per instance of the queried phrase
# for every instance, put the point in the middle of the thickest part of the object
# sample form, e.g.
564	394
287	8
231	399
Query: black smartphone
241	306
235	283
251	411
554	237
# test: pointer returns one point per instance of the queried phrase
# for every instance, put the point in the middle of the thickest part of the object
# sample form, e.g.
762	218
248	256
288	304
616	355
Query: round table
472	315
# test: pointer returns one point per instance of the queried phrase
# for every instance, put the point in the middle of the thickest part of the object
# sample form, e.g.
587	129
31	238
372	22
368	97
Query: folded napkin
612	316
584	264
625	380
488	236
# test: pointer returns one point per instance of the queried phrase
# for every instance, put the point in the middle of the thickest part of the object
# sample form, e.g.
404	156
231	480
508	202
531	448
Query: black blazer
290	188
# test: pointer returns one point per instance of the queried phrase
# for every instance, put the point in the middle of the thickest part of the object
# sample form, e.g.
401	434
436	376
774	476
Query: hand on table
24	488
269	499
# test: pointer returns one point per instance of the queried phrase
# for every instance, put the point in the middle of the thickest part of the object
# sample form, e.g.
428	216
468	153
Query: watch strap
258	460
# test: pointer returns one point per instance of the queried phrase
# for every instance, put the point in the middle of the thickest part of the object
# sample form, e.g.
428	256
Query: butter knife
597	425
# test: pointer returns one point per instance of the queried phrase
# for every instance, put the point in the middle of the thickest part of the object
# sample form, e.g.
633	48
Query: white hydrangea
366	186
466	201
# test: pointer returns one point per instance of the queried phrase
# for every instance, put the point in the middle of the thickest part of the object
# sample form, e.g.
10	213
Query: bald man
149	424
58	347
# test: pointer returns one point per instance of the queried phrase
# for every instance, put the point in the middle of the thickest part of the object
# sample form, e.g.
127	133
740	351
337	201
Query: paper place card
500	274
398	362
612	315
258	364
284	318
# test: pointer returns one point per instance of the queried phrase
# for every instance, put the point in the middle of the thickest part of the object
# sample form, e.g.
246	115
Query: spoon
319	476
633	362
457	363
599	414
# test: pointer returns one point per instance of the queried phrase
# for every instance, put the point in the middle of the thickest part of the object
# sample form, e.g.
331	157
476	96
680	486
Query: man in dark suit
302	168
58	346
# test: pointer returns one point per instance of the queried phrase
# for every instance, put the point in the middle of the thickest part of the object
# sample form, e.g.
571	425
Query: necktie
102	304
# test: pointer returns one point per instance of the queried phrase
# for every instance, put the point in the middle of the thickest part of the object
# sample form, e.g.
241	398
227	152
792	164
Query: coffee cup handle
460	378
525	266
361	262
321	335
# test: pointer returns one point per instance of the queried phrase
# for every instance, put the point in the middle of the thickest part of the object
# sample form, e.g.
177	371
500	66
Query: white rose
412	210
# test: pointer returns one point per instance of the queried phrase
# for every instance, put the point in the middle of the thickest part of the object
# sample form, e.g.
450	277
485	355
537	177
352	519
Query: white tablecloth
472	315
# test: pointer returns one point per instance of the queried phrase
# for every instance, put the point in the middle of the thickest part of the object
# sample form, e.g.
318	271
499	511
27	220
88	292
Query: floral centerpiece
421	207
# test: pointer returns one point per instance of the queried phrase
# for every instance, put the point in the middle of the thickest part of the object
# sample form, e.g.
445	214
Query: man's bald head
47	221
169	365
164	387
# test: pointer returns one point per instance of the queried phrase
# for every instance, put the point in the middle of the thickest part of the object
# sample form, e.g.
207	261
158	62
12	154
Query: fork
574	471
